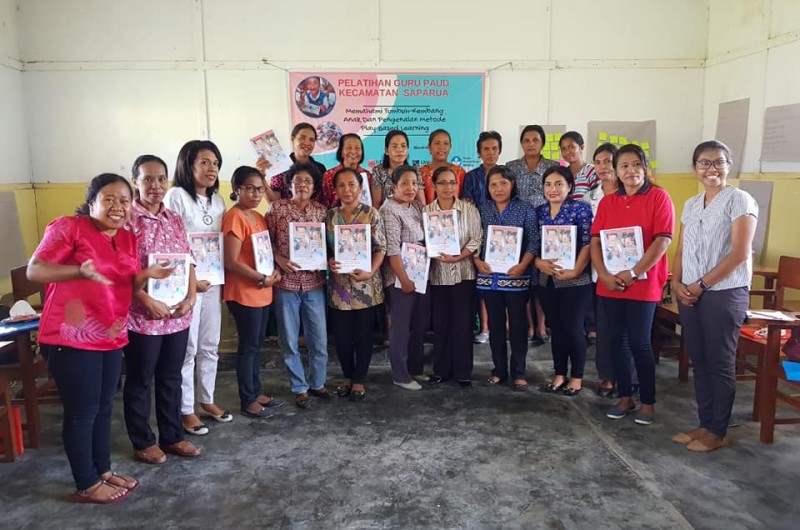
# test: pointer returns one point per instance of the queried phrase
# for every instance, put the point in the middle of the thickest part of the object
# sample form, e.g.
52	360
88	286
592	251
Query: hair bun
234	196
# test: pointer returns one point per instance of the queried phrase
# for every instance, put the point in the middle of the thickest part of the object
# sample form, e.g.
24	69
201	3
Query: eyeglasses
148	180
303	182
446	183
253	189
720	164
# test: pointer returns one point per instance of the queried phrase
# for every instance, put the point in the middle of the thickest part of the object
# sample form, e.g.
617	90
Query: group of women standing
97	262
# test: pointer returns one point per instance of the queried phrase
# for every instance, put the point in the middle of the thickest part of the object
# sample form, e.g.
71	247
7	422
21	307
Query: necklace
205	206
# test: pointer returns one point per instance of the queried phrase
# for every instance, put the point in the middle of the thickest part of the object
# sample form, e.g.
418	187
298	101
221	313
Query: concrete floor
439	458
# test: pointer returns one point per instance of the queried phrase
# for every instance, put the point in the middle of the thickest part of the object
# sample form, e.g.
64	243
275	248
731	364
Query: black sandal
343	390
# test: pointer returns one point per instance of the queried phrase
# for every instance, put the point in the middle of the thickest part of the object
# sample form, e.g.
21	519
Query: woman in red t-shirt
629	292
89	264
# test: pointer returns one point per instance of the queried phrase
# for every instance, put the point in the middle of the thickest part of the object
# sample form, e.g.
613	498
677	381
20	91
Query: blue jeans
251	326
634	318
292	307
87	382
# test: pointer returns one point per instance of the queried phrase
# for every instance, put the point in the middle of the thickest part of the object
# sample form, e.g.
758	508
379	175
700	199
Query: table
770	275
26	371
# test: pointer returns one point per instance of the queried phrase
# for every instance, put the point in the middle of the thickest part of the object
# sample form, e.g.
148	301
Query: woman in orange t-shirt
247	291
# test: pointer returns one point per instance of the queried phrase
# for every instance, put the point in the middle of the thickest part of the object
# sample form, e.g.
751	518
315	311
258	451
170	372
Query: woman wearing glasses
300	294
628	297
247	292
711	279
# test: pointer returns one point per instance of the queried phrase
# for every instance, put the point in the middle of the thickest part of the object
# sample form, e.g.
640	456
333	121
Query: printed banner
372	104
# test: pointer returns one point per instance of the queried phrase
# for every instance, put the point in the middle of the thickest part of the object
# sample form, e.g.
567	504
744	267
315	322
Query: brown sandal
94	495
120	481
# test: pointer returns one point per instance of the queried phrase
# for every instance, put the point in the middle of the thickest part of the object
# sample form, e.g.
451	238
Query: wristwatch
262	281
634	276
703	285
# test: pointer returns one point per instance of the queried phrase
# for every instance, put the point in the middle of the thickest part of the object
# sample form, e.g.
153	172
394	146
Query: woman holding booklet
296	228
91	270
711	279
354	293
636	220
406	293
158	329
563	236
504	275
247	290
194	196
452	282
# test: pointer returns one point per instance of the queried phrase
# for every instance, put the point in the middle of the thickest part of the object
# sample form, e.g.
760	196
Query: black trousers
515	302
352	334
452	307
87	382
711	334
565	309
146	357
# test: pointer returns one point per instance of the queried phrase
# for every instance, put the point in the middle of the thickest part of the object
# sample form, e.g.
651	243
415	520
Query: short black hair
438	172
401	170
712	144
489	135
184	167
528	128
303	125
436	133
642	156
506	174
575	136
607	147
309	168
240	175
564	172
344	170
95	185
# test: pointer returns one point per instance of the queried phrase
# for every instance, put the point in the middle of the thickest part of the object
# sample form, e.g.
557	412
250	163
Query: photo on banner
371	104
619	133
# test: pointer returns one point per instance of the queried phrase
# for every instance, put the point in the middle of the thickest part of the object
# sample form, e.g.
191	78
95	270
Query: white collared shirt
192	212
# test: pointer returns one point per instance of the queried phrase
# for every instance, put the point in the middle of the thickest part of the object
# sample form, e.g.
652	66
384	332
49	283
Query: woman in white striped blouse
711	279
452	283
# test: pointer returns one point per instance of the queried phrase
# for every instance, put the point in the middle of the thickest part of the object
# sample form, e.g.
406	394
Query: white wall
106	81
13	136
753	52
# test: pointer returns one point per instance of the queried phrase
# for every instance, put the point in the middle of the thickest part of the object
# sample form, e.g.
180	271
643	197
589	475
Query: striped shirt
707	236
585	180
403	223
470	236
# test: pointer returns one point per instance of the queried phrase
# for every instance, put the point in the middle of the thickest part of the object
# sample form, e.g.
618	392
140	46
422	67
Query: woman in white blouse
711	279
194	196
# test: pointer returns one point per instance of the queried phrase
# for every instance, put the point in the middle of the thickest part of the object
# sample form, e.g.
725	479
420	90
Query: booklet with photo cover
441	233
503	247
174	288
622	248
307	246
416	264
267	145
559	243
352	246
262	249
207	253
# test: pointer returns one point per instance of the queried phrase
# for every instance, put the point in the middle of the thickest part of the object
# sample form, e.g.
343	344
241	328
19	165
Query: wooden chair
767	369
8	443
22	288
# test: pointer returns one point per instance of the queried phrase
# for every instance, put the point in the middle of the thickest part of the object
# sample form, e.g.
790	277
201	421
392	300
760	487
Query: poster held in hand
173	289
503	248
307	246
353	247
262	249
622	249
559	243
416	264
441	233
